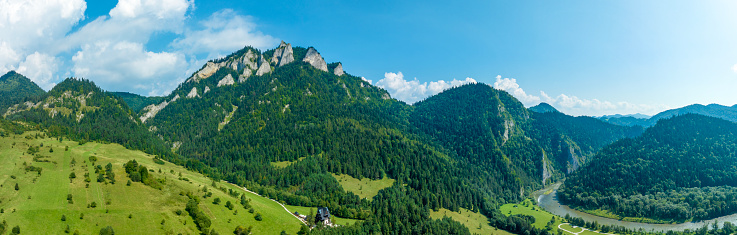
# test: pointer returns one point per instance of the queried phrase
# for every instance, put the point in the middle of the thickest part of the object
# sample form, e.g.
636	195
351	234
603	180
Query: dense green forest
138	102
681	168
15	89
78	109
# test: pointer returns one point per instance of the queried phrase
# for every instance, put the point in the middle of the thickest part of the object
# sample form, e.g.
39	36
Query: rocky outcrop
315	59
152	110
207	89
227	80
245	62
546	170
264	68
193	93
243	77
283	54
339	70
209	69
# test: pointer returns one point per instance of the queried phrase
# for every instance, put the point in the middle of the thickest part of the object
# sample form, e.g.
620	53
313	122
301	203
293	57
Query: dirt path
282	205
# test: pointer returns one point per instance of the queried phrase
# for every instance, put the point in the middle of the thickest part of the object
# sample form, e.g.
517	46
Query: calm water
550	203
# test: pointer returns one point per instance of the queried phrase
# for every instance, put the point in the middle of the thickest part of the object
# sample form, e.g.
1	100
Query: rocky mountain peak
283	54
338	70
315	59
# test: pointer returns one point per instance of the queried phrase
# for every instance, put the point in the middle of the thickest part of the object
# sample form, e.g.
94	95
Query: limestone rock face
207	89
193	93
209	69
247	61
264	68
339	70
315	59
228	80
283	55
152	110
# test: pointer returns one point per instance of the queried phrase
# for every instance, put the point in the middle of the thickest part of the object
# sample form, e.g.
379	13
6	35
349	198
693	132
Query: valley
253	137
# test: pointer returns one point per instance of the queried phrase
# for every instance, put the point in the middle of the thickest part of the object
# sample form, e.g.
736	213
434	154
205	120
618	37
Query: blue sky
583	57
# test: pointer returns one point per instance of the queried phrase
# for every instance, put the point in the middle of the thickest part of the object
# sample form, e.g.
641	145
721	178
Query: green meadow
364	188
476	222
41	205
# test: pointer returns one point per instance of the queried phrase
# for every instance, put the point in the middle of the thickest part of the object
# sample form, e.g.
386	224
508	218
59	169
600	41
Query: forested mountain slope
482	126
681	168
16	88
570	141
138	102
78	109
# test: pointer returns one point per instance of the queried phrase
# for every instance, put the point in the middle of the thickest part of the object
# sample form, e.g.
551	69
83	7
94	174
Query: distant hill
636	115
78	109
713	110
138	102
16	88
682	168
543	108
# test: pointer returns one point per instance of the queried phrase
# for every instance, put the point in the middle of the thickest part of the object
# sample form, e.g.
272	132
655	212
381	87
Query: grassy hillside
40	202
476	222
364	188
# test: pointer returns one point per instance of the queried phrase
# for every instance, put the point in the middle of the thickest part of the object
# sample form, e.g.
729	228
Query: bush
258	216
107	231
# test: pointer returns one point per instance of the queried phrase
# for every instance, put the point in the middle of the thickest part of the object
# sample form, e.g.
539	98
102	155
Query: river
550	203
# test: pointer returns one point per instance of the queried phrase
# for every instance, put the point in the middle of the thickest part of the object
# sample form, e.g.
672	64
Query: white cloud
40	68
132	21
8	57
224	31
734	68
413	91
28	28
37	23
127	65
40	39
573	105
510	85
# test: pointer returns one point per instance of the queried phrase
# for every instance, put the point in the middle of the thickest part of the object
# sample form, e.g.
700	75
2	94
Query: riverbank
550	203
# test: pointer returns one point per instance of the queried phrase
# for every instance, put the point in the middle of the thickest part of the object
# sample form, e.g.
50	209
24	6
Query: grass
364	188
38	206
476	222
526	207
608	214
285	164
571	228
227	118
306	211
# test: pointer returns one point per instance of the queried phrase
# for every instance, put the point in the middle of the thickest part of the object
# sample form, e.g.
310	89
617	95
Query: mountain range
728	113
471	146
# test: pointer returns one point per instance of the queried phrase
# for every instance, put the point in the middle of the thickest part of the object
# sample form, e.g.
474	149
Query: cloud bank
42	40
573	105
412	91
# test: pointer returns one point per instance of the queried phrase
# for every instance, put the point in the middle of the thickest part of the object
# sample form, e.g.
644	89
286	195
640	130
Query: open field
40	203
364	188
476	222
284	164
